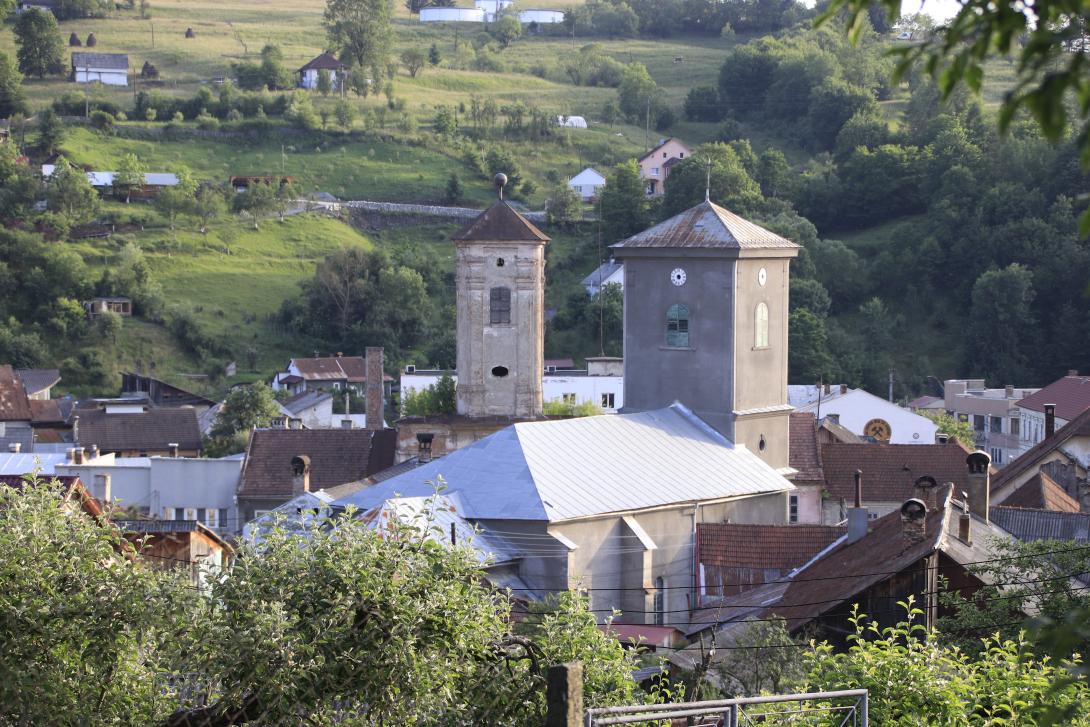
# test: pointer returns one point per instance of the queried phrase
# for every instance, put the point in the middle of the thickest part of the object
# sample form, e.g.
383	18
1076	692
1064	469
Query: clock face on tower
677	277
879	429
762	277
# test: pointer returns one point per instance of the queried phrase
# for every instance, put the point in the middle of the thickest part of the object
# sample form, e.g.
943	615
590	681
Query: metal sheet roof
575	468
111	61
1026	524
438	516
706	226
26	462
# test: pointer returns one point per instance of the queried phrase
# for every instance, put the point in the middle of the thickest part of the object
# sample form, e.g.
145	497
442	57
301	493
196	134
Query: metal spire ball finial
500	181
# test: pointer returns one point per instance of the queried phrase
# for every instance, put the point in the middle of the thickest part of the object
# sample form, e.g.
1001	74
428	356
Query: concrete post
564	695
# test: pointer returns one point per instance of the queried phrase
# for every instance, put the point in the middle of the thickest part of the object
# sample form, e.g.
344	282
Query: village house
1068	397
26	422
329	373
864	414
655	165
1063	456
48	6
608	273
993	413
160	393
452	15
119	304
241	183
76	496
284	463
131	428
103	182
588	182
186	545
168	488
111	69
309	74
38	383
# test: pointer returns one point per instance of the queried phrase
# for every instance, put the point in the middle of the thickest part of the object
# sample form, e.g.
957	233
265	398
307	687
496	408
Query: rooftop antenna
500	180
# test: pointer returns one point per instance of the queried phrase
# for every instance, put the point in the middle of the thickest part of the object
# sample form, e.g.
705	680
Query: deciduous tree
361	30
41	48
623	205
129	176
413	60
12	98
70	193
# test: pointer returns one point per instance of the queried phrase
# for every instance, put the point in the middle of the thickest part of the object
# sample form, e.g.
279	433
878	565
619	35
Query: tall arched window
660	601
760	326
499	305
677	326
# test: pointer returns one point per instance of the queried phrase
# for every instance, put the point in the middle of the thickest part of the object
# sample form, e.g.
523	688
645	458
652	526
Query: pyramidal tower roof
500	222
706	226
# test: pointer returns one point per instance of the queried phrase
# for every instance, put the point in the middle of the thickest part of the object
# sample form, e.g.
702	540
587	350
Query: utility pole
152	34
647	126
891	385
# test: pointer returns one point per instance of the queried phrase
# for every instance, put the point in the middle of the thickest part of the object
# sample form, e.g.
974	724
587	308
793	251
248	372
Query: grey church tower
500	298
705	323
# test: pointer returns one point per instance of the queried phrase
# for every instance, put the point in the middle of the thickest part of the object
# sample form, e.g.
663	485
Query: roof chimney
102	487
857	516
1050	420
942	438
979	483
1010	391
300	474
913	522
924	490
826	388
77	455
70	455
1072	372
15	447
374	387
92	452
75	428
965	521
843	388
172	448
423	441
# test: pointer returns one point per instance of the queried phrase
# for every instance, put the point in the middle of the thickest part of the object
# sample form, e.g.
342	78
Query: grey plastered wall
699	376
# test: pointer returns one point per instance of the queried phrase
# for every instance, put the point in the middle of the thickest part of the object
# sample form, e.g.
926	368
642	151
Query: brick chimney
423	441
77	455
858	516
300	474
979	483
924	490
913	522
374	387
1050	420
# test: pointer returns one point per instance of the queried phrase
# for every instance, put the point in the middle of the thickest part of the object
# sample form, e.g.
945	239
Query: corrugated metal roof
567	469
1026	524
706	226
26	462
112	61
435	516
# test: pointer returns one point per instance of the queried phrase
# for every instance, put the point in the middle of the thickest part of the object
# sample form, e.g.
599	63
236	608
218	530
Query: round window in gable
499	371
762	444
500	262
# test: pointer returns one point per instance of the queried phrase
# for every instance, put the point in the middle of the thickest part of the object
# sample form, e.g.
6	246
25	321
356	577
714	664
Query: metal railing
839	709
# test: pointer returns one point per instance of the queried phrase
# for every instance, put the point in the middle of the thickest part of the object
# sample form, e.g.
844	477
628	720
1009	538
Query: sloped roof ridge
500	222
1028	458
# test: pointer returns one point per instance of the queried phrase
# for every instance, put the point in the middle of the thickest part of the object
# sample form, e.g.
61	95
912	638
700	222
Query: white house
601	383
587	182
863	414
106	179
541	17
111	69
308	74
452	15
572	122
608	273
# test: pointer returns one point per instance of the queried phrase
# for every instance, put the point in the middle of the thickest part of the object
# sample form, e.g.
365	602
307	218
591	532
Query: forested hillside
933	247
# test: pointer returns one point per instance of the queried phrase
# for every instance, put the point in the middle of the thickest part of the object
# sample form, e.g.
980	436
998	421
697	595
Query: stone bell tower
500	278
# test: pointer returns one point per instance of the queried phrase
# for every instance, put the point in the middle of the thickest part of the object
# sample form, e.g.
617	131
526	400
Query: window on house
793	514
261	513
681	155
677	326
212	518
1015	422
660	601
997	424
190	513
978	422
499	305
997	455
760	326
568	398
607	401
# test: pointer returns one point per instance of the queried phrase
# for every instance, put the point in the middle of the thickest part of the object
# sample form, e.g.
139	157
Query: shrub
103	121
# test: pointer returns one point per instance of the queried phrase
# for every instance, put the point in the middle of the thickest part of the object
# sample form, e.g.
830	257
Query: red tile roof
500	222
890	470
1070	394
1042	492
336	456
805	454
45	411
1077	427
14	404
773	547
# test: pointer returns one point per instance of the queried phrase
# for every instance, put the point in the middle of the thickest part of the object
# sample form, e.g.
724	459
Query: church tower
705	323
500	278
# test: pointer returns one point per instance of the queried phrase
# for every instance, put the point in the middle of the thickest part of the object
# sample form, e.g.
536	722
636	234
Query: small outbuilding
541	17
308	74
453	15
111	69
572	122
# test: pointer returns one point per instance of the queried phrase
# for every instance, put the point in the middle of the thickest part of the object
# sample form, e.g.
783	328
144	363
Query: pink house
655	165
